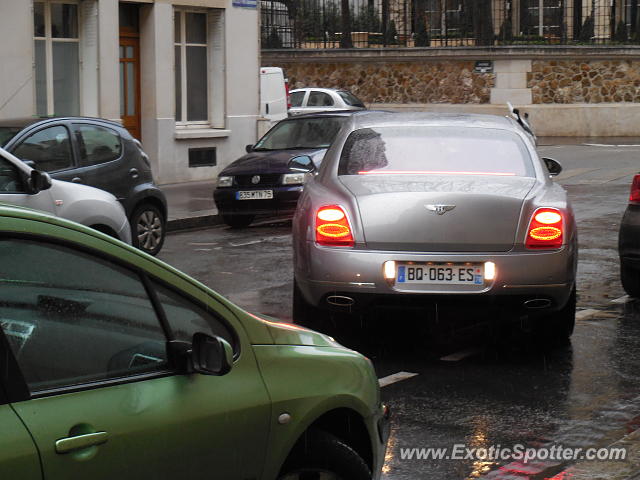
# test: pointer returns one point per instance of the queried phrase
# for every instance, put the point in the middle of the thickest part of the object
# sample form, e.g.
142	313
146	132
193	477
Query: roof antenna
523	120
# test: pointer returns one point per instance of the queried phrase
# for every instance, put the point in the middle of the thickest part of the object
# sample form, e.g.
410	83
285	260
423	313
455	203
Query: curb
187	223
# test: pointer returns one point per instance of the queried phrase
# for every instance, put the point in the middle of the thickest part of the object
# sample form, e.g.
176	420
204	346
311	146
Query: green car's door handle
65	445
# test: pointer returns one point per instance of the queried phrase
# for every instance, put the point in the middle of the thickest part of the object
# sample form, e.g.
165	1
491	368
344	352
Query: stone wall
574	81
450	81
567	90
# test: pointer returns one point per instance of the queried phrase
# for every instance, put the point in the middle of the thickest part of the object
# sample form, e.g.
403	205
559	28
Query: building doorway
130	68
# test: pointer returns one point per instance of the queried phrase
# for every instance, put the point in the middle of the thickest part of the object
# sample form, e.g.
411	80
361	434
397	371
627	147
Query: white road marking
396	377
605	145
201	249
252	242
574	172
587	313
203	244
264	239
456	357
623	299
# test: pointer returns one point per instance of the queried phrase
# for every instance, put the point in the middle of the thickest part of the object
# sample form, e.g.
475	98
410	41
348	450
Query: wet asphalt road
495	389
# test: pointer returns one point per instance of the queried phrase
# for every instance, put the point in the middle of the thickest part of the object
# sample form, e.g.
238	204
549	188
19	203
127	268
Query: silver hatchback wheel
148	226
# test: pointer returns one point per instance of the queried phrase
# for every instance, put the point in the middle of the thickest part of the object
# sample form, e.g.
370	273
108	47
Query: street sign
245	3
483	66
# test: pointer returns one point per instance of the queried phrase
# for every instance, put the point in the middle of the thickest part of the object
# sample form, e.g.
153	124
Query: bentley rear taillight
332	227
634	197
546	229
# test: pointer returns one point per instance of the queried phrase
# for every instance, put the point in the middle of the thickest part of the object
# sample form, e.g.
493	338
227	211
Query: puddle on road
586	395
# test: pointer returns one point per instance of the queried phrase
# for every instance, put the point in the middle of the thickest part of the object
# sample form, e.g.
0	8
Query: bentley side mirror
211	355
553	166
302	163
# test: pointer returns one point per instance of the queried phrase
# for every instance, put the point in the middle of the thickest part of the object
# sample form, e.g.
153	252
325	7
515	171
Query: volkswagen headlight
293	178
225	181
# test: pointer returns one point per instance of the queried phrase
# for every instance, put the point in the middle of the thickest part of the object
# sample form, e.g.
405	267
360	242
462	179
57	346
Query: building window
57	64
542	18
191	67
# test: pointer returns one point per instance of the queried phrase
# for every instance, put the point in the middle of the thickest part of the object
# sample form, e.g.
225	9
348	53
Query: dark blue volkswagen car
269	178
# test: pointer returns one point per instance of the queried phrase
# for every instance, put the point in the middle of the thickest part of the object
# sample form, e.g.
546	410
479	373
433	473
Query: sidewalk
629	469
190	205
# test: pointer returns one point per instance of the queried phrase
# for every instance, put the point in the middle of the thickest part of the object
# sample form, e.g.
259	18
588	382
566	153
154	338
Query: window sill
190	133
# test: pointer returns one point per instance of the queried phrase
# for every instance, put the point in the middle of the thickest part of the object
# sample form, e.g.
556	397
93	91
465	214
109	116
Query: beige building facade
182	76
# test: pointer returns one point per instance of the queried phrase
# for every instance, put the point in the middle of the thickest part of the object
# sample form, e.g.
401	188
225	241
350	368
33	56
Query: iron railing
437	23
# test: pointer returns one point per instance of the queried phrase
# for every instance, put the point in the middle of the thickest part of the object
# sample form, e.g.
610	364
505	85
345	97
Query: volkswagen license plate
456	274
254	195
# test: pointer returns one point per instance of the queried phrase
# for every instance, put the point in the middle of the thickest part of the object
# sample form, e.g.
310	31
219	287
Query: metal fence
437	23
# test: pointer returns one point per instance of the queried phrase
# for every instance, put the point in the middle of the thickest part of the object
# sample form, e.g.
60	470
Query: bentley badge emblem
440	209
255	179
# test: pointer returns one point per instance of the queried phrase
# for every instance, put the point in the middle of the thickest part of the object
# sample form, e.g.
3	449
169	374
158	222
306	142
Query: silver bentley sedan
435	209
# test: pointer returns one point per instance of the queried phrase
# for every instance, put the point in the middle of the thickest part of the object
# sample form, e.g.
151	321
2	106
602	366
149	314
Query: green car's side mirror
211	355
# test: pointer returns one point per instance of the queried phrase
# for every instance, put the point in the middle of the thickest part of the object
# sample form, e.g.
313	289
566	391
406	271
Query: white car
27	187
313	100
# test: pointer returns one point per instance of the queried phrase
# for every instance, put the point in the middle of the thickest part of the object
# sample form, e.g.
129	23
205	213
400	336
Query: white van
274	95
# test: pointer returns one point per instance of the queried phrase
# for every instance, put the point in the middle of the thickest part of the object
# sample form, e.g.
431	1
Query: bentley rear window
426	150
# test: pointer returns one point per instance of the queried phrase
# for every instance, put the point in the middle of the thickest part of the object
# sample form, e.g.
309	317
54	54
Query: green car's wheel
322	456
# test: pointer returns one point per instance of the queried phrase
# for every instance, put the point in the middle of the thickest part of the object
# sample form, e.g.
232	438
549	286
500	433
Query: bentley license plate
254	195
441	274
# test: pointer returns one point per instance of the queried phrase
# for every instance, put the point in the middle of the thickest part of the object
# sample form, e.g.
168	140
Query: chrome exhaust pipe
340	301
537	303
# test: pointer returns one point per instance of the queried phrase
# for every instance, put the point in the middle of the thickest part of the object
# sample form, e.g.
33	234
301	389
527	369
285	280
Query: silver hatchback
315	100
435	209
28	187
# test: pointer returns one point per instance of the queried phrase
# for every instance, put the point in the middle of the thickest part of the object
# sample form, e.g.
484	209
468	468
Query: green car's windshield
301	133
7	133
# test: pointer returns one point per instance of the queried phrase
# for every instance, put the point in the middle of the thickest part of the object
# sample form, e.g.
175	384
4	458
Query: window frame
76	128
303	94
323	95
183	44
17	387
18	140
20	176
48	56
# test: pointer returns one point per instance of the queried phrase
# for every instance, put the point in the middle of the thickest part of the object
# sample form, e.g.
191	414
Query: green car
113	365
